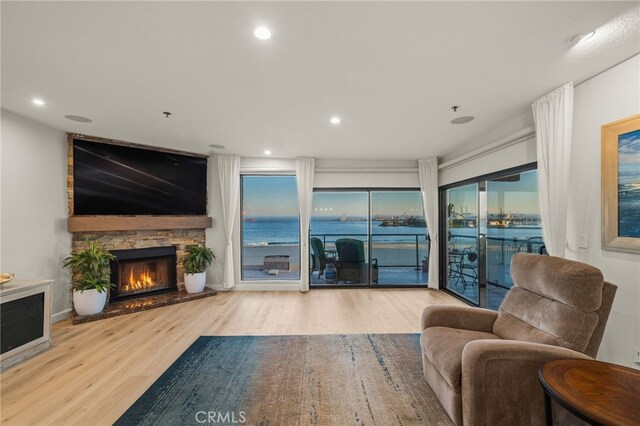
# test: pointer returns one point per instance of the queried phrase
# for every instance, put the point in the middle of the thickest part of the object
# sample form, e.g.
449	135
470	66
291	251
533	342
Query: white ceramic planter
89	302
194	283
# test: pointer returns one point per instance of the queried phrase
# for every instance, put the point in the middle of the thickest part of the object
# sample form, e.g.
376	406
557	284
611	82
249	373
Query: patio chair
320	257
468	266
351	265
454	263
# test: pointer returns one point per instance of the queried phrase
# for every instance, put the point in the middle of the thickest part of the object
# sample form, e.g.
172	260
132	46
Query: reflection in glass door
487	222
463	241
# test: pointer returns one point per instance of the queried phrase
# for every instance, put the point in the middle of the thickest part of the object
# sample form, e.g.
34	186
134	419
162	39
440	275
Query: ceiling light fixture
263	33
335	120
267	152
78	118
580	38
217	146
37	101
462	120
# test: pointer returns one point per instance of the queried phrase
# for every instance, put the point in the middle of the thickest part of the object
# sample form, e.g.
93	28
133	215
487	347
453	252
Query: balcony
399	258
464	273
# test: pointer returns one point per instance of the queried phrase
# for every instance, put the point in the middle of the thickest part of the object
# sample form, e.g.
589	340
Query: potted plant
90	281
196	261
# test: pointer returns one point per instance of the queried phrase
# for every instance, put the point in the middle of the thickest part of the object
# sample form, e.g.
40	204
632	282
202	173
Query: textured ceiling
390	70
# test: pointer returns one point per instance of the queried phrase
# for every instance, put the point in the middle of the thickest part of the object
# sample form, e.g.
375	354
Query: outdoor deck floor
388	276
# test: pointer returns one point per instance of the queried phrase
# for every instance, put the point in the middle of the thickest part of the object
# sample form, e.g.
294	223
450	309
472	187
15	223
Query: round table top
605	393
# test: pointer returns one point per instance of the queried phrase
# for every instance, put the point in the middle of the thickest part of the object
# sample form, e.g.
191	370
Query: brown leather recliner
483	365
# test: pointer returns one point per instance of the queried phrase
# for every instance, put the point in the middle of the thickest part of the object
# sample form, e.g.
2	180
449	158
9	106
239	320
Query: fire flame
141	282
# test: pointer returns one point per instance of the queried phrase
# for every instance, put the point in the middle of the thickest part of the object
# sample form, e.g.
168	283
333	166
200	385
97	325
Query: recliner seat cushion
443	346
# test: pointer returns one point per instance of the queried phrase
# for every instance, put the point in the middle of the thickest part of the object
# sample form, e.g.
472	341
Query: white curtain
304	178
229	171
553	115
428	174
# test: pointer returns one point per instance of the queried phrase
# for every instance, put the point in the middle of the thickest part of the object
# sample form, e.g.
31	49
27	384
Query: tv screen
122	180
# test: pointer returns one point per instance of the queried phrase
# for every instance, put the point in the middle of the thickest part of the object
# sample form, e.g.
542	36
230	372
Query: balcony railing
411	256
498	253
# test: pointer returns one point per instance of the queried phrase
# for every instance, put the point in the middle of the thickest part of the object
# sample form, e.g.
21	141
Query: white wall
34	238
523	152
366	174
608	97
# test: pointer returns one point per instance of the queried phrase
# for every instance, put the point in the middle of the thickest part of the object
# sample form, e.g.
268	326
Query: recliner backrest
350	251
555	301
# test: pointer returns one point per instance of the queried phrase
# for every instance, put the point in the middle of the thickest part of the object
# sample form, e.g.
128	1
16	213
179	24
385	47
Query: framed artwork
621	185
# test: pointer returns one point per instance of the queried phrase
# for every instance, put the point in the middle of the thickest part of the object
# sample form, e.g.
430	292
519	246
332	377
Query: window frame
241	230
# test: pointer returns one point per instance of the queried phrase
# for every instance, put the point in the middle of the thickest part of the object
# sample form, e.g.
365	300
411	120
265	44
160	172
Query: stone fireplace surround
124	240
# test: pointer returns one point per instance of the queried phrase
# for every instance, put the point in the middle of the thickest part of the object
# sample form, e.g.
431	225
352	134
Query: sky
512	197
276	196
629	157
269	196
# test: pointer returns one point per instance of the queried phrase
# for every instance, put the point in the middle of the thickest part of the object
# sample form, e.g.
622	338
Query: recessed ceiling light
217	146
335	120
580	38
462	120
78	118
267	152
263	33
37	101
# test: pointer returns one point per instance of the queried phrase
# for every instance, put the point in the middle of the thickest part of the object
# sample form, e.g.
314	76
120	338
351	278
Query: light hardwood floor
95	371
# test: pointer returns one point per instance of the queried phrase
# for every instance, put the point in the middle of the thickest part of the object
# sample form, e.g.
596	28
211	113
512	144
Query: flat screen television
111	179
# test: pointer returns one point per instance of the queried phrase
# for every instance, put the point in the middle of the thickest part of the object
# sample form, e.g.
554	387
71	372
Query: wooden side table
597	392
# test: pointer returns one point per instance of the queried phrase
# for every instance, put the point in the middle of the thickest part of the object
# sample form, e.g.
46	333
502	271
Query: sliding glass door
463	241
399	237
368	237
339	229
488	220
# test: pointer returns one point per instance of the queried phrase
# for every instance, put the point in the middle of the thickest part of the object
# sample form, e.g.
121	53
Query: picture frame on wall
621	185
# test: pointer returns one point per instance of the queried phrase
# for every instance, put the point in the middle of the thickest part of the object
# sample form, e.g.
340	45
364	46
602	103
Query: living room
288	161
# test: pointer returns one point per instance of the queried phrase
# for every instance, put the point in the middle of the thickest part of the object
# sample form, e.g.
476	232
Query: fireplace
139	272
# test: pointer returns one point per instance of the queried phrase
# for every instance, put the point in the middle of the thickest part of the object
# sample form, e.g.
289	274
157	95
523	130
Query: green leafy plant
90	268
197	259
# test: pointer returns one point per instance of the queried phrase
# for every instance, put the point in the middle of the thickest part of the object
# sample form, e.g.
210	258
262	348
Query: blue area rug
373	379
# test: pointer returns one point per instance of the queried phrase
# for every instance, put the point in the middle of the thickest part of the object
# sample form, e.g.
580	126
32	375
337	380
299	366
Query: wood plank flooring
95	371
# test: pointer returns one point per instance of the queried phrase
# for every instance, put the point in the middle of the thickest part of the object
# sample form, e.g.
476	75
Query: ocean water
629	210
285	230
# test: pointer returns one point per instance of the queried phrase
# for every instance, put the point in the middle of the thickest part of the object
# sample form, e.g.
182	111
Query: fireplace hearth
141	272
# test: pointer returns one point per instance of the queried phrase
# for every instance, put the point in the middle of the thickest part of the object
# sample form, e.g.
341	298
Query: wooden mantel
136	223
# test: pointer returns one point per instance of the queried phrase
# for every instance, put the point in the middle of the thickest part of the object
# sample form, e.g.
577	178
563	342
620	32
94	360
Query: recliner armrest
500	381
462	317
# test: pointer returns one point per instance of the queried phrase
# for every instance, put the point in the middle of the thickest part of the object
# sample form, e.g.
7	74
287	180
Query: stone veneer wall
123	240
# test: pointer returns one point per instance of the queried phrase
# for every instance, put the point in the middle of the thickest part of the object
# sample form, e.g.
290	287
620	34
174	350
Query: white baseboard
260	286
59	316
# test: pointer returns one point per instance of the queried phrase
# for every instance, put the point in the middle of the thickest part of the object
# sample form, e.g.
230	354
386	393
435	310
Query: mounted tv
112	179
